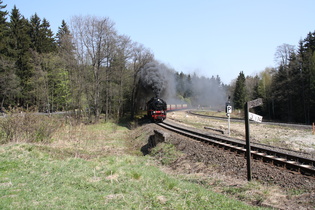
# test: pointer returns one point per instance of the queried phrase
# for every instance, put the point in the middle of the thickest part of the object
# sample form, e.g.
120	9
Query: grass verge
89	167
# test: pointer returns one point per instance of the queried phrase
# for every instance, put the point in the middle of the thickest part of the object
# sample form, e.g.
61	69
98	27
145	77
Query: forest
87	65
288	90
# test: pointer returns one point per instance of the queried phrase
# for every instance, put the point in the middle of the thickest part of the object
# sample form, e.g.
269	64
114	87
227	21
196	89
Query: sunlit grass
34	179
91	167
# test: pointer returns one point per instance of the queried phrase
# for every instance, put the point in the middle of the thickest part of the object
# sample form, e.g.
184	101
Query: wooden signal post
248	105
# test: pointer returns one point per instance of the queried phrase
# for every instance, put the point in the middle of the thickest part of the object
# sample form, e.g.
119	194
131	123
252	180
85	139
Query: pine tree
42	37
306	53
3	13
295	90
239	96
47	37
68	85
180	83
63	35
188	87
3	28
34	32
18	50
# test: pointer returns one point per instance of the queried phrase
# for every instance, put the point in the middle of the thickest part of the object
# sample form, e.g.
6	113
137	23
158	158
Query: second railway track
284	159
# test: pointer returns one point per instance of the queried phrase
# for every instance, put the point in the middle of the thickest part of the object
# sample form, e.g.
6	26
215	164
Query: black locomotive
156	109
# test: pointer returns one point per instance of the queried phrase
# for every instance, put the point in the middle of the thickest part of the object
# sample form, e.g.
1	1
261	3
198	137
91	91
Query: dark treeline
288	91
87	65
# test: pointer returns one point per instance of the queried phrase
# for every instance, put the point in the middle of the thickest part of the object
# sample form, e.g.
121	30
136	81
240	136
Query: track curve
284	159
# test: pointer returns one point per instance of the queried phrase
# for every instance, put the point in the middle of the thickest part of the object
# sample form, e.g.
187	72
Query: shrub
27	127
166	153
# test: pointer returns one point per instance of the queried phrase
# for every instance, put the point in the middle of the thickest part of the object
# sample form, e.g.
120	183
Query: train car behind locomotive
171	107
156	109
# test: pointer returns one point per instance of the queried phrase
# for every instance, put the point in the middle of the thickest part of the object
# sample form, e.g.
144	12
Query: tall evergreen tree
9	82
295	89
3	28
280	93
3	14
42	37
47	37
18	50
239	96
34	32
180	85
286	91
67	76
286	85
306	52
63	36
188	88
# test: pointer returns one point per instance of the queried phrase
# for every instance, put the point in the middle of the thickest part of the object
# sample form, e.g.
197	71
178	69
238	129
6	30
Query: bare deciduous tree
120	90
283	53
95	40
140	57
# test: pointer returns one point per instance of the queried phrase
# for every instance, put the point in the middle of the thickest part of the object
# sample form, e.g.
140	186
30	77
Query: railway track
282	159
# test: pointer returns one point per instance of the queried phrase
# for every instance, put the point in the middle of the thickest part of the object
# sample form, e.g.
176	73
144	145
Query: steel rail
292	162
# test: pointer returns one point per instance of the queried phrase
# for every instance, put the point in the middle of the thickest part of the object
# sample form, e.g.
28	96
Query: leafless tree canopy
283	54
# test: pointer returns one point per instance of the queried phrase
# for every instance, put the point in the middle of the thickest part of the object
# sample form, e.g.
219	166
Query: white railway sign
229	109
254	117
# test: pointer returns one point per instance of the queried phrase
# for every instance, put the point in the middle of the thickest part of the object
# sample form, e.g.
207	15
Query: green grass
87	168
166	153
271	141
241	192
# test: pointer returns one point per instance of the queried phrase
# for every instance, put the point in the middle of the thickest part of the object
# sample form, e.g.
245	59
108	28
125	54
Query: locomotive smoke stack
157	92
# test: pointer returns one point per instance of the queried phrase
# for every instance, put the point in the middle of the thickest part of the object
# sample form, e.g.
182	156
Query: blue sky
209	37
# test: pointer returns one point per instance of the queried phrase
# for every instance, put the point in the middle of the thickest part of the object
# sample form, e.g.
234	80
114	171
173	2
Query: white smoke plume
208	92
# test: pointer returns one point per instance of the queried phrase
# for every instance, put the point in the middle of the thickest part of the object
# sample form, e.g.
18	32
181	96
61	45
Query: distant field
236	114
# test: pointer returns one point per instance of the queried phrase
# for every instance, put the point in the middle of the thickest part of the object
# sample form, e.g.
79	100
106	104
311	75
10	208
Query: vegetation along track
272	155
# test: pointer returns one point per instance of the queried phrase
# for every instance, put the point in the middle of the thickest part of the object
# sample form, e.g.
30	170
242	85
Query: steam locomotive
156	109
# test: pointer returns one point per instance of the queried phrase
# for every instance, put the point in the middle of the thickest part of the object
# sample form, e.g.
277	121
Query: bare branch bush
27	127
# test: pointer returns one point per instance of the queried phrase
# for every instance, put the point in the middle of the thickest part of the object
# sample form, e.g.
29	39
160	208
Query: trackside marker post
247	106
228	110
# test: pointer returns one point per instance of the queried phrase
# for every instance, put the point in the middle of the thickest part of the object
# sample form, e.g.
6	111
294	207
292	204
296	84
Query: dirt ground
226	172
